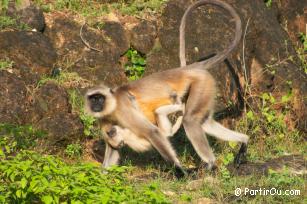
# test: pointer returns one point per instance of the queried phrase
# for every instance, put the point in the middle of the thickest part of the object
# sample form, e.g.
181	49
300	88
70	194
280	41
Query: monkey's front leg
163	146
141	126
111	156
240	158
163	121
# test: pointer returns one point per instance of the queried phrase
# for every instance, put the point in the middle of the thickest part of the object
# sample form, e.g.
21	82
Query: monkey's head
99	101
113	136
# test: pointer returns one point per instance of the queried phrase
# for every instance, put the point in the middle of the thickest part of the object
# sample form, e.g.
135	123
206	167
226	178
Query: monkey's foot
180	172
240	158
209	166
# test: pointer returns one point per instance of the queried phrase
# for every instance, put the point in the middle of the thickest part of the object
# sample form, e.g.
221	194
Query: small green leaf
250	115
232	144
23	182
47	199
18	193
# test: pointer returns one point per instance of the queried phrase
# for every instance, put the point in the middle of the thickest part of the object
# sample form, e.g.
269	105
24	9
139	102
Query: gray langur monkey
132	106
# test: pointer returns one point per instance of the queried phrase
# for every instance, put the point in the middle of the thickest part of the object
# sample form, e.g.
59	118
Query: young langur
132	106
117	136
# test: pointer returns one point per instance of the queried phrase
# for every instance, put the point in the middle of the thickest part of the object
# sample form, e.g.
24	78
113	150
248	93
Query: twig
85	42
244	65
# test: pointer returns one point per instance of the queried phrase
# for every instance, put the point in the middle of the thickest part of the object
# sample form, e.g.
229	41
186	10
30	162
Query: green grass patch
94	8
7	22
139	7
6	64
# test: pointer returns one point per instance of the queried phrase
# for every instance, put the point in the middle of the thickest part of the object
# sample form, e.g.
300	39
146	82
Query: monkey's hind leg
199	103
199	141
217	130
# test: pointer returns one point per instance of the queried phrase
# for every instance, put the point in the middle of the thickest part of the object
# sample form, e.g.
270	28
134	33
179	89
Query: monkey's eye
97	98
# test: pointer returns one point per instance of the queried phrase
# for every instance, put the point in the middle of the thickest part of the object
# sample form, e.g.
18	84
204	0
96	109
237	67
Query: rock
290	13
104	66
296	164
62	129
13	97
143	36
28	49
30	15
48	101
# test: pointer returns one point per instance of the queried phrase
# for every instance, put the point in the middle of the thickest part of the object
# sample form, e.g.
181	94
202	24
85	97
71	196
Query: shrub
29	177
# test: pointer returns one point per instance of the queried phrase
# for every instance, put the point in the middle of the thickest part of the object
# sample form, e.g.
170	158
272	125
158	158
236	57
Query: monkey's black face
96	102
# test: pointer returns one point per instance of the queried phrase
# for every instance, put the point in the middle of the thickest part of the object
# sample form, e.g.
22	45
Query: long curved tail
220	56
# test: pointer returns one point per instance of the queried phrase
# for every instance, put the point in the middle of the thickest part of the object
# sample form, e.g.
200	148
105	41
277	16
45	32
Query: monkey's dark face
96	102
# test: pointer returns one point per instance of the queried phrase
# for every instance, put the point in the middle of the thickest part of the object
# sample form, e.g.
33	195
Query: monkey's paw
240	158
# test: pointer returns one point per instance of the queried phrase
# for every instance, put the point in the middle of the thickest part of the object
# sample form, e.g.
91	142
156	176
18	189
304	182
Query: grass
6	64
138	7
96	8
65	79
7	22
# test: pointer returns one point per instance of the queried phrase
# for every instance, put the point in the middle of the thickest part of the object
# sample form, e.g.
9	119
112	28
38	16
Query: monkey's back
154	91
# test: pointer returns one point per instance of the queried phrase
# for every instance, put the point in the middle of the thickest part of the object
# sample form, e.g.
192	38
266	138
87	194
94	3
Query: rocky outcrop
28	49
13	97
111	40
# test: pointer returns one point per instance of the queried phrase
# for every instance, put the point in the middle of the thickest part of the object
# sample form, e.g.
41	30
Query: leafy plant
73	150
271	128
14	137
31	178
6	64
134	69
